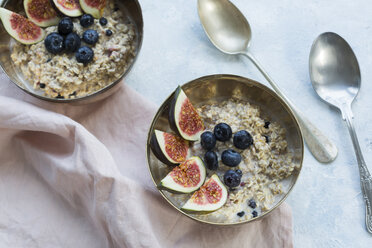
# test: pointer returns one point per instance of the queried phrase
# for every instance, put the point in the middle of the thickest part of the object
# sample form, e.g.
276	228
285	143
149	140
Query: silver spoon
230	32
335	75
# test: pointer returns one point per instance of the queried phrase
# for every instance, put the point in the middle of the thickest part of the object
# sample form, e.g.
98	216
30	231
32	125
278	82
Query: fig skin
171	117
155	147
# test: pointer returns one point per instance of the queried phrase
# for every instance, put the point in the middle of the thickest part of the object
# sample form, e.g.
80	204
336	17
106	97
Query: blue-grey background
328	210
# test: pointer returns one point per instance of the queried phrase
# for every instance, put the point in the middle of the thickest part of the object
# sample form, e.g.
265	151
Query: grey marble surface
328	210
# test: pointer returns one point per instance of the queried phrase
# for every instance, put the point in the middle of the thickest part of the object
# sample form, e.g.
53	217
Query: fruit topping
231	179
168	148
208	140
242	139
42	86
69	7
41	12
267	123
187	177
211	160
231	158
252	203
65	26
240	214
210	197
240	173
21	28
86	20
267	139
84	55
93	7
72	42
222	131
54	43
254	213
183	117
103	21
90	36
108	32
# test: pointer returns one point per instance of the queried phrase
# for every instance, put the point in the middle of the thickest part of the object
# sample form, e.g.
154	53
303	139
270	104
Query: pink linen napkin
93	157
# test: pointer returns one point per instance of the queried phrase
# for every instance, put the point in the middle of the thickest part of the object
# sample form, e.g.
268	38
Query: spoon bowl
334	70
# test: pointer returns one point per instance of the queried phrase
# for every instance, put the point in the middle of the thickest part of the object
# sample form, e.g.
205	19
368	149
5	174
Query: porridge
62	76
264	164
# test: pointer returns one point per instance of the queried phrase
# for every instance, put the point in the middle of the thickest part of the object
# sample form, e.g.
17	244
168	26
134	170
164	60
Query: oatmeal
264	164
61	76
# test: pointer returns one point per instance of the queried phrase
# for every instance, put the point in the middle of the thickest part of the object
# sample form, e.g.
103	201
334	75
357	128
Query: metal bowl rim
247	81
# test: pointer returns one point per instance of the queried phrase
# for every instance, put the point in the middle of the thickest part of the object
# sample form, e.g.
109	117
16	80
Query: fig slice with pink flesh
69	7
210	197
185	178
41	12
21	28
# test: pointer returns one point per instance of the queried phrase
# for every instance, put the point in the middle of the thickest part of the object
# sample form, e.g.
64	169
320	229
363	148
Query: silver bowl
215	89
133	11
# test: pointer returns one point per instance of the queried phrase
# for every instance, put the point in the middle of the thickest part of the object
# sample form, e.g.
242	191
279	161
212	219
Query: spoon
229	31
335	75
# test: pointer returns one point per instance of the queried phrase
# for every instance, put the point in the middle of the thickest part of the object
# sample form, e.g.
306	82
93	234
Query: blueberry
231	179
267	139
86	20
222	131
108	32
208	140
252	203
231	158
54	43
211	160
65	26
254	213
72	42
267	123
103	21
42	86
240	173
84	55
90	36
241	214
242	139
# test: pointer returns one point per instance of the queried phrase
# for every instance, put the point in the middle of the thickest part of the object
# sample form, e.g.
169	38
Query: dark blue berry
267	139
252	203
222	131
208	140
65	26
254	213
242	139
72	42
231	179
267	123
90	36
84	55
211	160
241	214
108	32
239	172
54	43
42	86
86	20
231	158
103	21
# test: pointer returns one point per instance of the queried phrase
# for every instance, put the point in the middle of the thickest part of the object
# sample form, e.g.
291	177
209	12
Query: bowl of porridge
265	137
61	77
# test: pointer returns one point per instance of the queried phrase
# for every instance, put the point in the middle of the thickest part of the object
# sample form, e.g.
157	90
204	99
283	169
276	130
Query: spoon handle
319	145
365	176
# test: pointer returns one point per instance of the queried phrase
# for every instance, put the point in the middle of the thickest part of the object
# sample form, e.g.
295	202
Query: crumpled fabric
77	176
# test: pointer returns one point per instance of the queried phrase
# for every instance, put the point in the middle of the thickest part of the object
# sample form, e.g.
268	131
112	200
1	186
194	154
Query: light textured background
327	205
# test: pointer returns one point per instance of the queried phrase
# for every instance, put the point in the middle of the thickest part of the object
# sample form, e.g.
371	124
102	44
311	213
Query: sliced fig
210	197
183	117
69	7
21	28
185	178
93	7
41	12
168	148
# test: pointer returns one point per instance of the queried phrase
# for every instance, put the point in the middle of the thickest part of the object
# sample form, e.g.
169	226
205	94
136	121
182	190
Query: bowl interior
132	11
216	88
